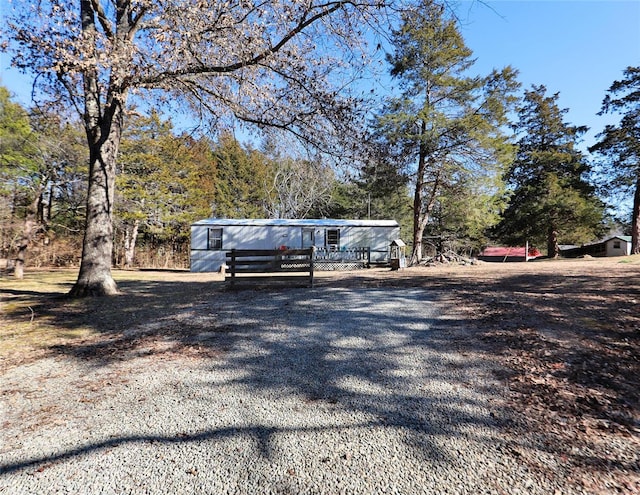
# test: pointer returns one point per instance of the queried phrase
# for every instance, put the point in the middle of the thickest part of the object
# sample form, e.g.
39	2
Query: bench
247	262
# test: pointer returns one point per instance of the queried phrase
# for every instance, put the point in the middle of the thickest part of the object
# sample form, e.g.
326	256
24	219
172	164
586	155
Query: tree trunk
29	228
95	277
635	219
103	122
553	250
47	220
420	219
130	238
422	212
418	228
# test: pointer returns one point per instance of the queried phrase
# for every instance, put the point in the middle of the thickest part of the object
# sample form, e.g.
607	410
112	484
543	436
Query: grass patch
632	260
35	315
25	328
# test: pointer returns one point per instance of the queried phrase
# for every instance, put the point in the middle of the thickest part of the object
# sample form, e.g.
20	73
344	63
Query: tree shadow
380	356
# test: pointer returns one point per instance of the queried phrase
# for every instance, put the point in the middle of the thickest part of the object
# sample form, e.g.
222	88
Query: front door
308	237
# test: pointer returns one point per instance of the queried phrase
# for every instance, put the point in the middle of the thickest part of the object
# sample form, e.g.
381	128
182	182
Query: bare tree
298	186
275	63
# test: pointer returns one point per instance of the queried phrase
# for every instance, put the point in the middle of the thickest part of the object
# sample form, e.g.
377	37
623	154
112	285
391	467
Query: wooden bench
249	262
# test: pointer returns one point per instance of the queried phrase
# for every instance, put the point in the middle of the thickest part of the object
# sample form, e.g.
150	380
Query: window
333	237
214	239
616	244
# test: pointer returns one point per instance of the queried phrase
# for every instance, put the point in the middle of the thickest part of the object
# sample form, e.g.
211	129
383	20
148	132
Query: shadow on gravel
383	355
123	326
566	343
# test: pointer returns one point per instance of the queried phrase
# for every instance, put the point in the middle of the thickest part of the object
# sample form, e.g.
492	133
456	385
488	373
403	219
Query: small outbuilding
334	239
506	254
619	245
398	254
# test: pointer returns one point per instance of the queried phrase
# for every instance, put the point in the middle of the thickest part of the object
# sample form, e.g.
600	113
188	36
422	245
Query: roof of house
285	222
625	238
509	251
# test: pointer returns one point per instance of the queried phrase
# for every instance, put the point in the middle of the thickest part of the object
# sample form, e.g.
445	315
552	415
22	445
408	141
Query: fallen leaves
573	385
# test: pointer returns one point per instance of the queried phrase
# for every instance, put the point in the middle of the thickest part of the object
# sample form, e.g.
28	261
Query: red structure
499	253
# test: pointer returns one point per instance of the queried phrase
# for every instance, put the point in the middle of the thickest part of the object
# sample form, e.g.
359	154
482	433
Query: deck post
312	255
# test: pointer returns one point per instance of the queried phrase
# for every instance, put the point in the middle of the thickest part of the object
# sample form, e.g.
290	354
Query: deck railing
343	254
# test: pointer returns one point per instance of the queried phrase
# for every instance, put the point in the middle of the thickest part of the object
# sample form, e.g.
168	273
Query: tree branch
102	17
302	24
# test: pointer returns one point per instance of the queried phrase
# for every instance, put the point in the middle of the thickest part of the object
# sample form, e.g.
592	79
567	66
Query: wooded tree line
165	182
458	158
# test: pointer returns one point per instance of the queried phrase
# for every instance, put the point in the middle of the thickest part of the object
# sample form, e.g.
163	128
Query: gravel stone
321	391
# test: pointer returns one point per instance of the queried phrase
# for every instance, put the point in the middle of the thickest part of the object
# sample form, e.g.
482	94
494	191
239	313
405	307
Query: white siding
623	249
266	234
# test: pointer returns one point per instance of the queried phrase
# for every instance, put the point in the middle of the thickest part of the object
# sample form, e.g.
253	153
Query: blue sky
574	47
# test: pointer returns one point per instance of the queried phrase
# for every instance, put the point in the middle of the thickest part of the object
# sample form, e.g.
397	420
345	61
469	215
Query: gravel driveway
327	390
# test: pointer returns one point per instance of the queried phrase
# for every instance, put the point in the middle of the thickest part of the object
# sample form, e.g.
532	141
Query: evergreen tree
385	187
445	124
139	186
164	184
463	216
347	200
620	144
240	180
550	195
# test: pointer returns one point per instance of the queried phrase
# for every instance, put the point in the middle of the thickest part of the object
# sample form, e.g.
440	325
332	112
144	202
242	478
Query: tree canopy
620	144
445	125
551	196
436	156
277	63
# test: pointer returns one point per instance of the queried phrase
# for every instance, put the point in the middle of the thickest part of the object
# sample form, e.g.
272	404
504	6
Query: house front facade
212	238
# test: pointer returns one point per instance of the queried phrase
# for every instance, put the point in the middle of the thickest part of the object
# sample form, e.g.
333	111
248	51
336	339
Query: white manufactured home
212	238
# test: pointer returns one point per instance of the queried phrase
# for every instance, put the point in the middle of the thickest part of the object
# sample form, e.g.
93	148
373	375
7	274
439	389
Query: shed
212	238
619	245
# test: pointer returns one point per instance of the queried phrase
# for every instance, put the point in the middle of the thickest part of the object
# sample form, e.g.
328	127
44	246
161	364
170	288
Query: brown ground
566	335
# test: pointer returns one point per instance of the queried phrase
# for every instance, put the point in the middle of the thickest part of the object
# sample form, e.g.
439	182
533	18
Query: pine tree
621	144
240	180
164	184
445	124
551	197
